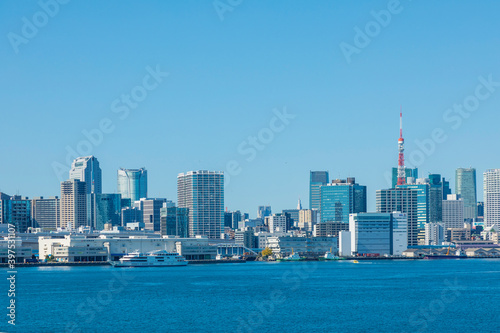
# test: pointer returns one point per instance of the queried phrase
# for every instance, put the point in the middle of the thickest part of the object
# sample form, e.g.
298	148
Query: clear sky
341	74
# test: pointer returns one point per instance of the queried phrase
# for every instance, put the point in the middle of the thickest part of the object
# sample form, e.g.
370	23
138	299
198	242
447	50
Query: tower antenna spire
401	149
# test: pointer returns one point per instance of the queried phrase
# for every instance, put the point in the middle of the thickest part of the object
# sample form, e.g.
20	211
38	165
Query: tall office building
402	200
131	215
277	223
107	210
317	179
453	212
4	198
491	197
422	187
437	181
203	193
86	169
409	172
46	212
150	208
73	204
465	186
341	198
263	211
133	183
17	211
174	221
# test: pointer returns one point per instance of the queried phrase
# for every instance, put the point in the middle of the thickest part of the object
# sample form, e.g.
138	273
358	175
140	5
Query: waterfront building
378	233
465	186
46	212
174	221
453	211
133	183
402	200
202	192
344	243
73	204
341	198
491	197
316	180
312	247
409	172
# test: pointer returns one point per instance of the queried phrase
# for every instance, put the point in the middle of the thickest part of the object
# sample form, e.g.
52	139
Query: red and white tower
401	149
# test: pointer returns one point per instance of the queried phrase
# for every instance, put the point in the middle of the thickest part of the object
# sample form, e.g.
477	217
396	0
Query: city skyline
316	89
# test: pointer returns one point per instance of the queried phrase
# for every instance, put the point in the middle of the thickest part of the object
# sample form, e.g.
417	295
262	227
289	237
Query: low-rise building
305	246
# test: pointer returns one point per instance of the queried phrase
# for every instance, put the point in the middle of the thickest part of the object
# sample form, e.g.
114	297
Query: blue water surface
370	296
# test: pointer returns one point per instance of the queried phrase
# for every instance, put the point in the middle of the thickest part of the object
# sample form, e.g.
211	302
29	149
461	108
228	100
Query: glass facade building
465	186
17	211
107	209
341	198
316	180
86	169
133	183
174	221
202	192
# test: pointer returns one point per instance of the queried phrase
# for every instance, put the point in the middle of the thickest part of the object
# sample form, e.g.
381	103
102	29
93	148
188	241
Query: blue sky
225	78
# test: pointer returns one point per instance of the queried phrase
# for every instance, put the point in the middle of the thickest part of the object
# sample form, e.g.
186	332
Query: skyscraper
174	221
150	208
17	211
341	198
263	211
453	212
492	197
87	170
422	187
46	212
203	193
73	204
402	200
317	179
133	183
465	186
107	210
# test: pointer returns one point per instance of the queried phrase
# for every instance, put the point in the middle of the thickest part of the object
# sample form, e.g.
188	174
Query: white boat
158	258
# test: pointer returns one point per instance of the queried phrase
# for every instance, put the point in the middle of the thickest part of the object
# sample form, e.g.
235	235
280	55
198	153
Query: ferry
329	256
158	258
293	257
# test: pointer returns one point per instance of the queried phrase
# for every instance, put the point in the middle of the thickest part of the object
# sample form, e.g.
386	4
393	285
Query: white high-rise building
86	169
378	233
434	233
133	183
491	197
73	204
203	193
453	211
276	223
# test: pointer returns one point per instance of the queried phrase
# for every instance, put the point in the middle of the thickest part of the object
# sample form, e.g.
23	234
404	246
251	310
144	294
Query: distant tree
267	252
